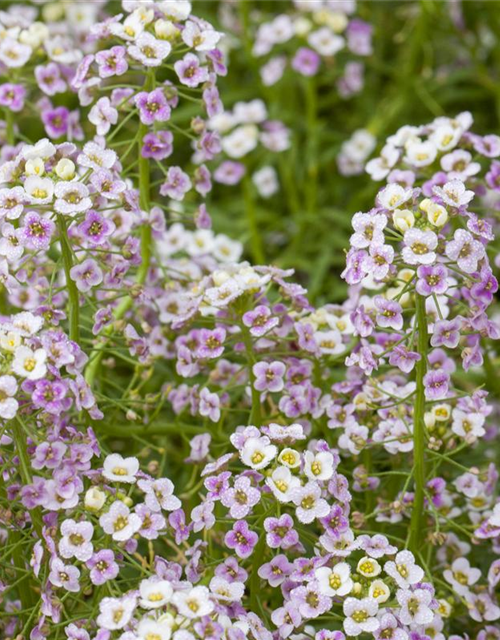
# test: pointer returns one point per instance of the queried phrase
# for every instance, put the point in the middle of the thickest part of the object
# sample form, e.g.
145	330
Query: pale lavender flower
269	376
432	279
64	575
86	275
76	540
153	106
436	384
102	567
465	250
241	539
189	71
176	185
119	522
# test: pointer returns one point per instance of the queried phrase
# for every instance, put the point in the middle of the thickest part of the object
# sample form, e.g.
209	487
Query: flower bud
34	167
65	169
166	30
403	219
94	499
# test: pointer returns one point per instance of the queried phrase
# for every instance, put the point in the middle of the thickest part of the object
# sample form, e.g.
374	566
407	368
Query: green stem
74	299
9	127
146	236
417	515
255	417
253	227
312	140
24	466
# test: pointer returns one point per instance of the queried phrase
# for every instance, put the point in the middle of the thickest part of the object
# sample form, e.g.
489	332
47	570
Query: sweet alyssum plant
189	448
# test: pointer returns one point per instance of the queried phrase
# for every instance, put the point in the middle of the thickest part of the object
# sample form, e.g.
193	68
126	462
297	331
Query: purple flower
465	250
403	359
309	601
432	279
159	494
209	405
389	313
229	172
446	333
211	343
280	532
212	102
241	539
436	384
306	61
190	72
286	618
12	96
56	121
86	275
112	62
158	145
153	106
152	522
241	498
64	575
49	455
276	571
37	231
49	396
269	376
95	228
103	115
260	320
49	79
176	185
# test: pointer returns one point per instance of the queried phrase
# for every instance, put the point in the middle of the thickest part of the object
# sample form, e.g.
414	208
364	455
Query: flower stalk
74	300
417	516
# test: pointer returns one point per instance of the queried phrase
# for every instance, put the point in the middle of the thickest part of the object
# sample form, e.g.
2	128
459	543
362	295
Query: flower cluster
313	35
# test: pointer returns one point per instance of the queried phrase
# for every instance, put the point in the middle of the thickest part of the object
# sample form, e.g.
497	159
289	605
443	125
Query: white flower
155	593
329	342
252	112
379	591
282	483
176	9
334	581
403	219
420	246
226	250
462	576
257	453
119	522
319	466
10	341
27	322
468	425
130	29
200	242
454	193
446	136
116	612
8	404
393	196
379	168
241	141
149	629
290	458
39	190
34	167
194	603
368	567
149	51
420	154
404	570
42	149
28	363
360	616
436	213
325	42
415	606
94	499
198	38
266	181
225	590
119	469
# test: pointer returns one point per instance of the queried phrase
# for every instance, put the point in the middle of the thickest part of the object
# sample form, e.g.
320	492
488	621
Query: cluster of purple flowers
313	37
